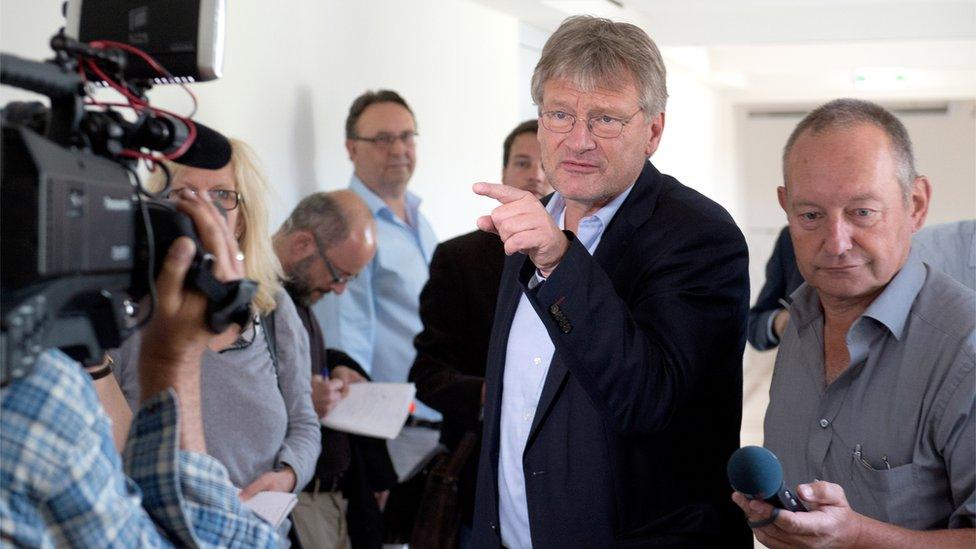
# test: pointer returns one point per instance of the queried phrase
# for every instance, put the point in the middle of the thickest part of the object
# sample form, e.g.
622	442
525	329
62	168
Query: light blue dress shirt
377	317
527	360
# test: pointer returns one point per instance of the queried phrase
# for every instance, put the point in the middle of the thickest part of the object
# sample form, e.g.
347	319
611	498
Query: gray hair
592	51
323	216
846	113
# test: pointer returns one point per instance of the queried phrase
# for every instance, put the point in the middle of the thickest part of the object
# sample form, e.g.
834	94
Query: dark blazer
641	406
457	306
782	278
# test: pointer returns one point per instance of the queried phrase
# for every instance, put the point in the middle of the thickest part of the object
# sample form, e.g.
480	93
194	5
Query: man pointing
614	372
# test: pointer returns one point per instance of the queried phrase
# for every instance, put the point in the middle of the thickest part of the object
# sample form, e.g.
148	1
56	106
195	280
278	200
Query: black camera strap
227	302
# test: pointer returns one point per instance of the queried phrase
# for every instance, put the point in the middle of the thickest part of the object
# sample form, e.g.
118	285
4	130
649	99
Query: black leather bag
439	514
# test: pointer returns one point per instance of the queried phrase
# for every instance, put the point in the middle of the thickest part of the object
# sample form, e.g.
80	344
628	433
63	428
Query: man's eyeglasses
228	200
600	125
386	140
333	272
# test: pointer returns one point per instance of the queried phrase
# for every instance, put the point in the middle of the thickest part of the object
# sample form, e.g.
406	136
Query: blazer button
566	327
554	309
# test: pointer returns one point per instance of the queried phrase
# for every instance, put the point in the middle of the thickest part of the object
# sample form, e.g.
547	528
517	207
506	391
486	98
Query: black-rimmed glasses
333	271
228	200
386	140
600	125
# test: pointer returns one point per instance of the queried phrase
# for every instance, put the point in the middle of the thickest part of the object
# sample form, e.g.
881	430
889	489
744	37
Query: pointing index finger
501	193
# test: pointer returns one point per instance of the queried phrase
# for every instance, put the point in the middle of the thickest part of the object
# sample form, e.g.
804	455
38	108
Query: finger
525	242
501	193
225	234
213	233
519	223
515	209
486	224
336	384
789	523
169	284
252	489
741	501
822	493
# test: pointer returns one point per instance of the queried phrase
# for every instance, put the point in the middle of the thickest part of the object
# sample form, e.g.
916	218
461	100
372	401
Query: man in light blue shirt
376	318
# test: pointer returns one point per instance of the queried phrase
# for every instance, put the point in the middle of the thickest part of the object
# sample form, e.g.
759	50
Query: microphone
756	473
210	150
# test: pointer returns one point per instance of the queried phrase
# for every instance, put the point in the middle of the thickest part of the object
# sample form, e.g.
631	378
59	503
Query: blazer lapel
633	213
509	294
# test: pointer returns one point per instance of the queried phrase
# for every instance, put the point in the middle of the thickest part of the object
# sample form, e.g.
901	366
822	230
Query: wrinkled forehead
590	78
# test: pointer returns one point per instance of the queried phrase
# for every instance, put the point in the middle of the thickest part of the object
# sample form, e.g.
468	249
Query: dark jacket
641	406
782	278
457	306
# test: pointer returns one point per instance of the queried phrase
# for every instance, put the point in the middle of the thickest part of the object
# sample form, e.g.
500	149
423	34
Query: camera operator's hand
176	336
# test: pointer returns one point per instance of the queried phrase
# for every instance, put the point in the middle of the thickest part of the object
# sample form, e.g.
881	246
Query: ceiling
793	50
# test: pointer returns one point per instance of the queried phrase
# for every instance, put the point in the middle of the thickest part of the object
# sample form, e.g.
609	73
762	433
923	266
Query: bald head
326	241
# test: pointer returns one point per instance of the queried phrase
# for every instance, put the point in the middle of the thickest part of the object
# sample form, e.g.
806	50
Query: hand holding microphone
778	517
755	473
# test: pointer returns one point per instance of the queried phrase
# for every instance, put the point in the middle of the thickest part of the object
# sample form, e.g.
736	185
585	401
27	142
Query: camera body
82	241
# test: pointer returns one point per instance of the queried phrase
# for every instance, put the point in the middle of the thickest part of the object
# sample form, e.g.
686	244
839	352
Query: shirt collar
377	205
557	207
890	308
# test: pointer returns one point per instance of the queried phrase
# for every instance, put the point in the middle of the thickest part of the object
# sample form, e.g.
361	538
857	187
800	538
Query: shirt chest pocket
888	495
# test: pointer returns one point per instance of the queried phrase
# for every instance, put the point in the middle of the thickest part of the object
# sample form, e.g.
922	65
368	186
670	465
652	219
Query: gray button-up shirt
897	429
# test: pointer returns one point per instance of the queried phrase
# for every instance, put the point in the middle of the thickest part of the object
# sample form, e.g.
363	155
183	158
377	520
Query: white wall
698	145
293	68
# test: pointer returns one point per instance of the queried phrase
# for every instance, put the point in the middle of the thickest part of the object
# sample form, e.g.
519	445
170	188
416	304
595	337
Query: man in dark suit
614	379
768	317
457	306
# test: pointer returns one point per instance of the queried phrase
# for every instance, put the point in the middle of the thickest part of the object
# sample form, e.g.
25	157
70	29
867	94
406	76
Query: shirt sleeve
303	440
761	314
188	495
956	438
64	481
64	468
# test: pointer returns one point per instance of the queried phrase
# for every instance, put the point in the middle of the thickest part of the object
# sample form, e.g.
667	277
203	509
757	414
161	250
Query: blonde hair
260	262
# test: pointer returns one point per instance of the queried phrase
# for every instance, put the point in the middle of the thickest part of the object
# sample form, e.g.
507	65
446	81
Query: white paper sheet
272	506
372	409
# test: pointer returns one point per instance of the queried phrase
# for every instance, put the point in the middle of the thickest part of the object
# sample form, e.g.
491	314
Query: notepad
272	506
412	450
372	409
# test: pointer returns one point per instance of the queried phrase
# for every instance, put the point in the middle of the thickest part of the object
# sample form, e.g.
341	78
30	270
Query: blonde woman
258	416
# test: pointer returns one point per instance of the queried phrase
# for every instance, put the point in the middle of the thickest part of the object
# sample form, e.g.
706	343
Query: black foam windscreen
755	472
210	150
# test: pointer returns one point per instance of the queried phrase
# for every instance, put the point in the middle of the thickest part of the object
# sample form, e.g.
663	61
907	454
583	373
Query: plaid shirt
62	483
